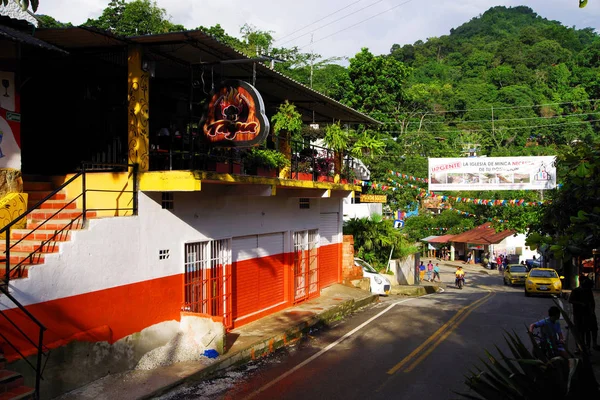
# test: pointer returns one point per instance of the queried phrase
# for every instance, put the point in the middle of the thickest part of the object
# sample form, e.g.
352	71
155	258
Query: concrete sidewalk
251	341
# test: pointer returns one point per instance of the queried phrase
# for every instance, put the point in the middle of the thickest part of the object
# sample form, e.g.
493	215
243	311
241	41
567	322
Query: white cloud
398	23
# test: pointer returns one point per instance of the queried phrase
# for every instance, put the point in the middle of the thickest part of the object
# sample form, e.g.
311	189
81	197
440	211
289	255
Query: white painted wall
361	210
512	243
116	251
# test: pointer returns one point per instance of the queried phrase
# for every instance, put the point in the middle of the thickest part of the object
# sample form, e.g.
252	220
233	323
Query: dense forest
508	82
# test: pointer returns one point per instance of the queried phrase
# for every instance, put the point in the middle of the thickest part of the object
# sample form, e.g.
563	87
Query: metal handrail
4	287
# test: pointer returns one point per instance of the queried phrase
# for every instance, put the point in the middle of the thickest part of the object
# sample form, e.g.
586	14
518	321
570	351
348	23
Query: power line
506	108
319	20
509	119
516	127
335	20
358	23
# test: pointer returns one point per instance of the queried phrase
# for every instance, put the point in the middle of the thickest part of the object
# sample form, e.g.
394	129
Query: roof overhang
22	37
200	50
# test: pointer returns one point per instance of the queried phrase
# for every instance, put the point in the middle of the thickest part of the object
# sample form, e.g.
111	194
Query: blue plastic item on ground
210	353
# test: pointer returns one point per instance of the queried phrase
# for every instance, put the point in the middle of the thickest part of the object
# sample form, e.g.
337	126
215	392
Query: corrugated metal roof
79	38
26	38
483	234
428	238
442	239
197	47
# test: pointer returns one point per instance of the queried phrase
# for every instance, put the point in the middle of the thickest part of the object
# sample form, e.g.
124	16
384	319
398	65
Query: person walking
421	272
429	270
436	272
584	313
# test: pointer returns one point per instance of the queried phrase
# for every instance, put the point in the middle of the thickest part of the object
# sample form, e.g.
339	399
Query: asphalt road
401	348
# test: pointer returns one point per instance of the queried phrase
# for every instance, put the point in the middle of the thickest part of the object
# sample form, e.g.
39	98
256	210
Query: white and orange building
118	252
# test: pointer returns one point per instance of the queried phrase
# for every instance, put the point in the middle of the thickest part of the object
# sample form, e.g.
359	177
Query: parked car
543	281
379	283
538	262
515	274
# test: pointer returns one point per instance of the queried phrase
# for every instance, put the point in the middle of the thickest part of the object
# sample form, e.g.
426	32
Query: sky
337	28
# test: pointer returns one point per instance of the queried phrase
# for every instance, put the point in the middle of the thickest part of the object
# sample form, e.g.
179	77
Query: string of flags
409	177
424	193
467	214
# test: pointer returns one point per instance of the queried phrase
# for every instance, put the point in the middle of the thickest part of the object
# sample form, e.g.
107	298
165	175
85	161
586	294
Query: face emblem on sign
235	116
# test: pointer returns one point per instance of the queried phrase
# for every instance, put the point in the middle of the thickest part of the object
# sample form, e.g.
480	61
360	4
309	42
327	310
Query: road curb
267	346
415	291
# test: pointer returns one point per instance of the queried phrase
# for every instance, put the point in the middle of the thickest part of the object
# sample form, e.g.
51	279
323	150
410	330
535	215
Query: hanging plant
335	137
367	146
287	119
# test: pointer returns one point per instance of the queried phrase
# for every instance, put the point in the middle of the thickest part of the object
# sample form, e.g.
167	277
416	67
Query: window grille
207	283
304	203
306	264
167	201
163	254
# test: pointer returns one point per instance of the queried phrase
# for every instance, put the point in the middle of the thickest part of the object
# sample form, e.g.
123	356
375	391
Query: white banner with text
492	173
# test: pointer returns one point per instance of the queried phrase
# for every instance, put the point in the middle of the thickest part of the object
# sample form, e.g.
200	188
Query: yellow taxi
543	281
515	274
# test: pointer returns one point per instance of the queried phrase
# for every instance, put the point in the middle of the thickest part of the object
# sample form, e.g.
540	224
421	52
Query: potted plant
324	168
336	139
266	162
303	171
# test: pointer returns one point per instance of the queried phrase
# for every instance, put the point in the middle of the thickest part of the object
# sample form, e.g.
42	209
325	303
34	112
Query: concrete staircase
12	386
47	225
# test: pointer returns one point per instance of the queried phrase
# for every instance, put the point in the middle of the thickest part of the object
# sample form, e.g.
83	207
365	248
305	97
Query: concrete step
30	246
42	215
17	257
15	273
55	224
41	234
39	195
56	205
19	393
10	380
33	186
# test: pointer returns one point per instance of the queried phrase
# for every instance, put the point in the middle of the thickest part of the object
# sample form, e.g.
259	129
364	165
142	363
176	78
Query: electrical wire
335	20
496	128
358	23
505	108
509	119
319	20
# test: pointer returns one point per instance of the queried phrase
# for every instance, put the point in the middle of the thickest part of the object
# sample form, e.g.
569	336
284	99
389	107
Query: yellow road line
437	333
447	333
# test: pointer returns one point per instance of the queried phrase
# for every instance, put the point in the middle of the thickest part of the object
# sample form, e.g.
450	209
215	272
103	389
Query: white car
379	283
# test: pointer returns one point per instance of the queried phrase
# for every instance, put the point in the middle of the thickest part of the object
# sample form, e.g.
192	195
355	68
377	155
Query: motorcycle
460	282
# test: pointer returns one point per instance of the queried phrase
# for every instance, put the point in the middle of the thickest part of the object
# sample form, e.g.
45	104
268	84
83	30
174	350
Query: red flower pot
325	178
303	176
271	173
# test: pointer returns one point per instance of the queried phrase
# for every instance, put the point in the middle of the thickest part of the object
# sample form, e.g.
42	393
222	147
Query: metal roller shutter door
258	267
329	239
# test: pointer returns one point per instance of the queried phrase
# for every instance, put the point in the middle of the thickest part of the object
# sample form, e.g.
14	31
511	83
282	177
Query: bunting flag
409	177
424	193
468	214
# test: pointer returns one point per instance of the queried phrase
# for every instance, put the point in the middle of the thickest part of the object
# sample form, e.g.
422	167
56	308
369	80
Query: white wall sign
492	173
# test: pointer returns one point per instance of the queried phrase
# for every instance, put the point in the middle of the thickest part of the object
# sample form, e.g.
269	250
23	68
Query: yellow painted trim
116	197
11	206
170	181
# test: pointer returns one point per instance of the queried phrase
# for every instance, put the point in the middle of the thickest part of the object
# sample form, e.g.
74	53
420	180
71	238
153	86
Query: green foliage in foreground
374	239
525	375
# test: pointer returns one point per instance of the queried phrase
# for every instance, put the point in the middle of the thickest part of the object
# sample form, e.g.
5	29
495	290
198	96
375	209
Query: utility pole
312	59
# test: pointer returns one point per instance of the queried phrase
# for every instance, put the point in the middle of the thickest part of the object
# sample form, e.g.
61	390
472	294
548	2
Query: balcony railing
307	161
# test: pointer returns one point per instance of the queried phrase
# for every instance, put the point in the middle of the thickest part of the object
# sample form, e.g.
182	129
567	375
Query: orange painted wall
329	265
111	314
257	284
105	315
